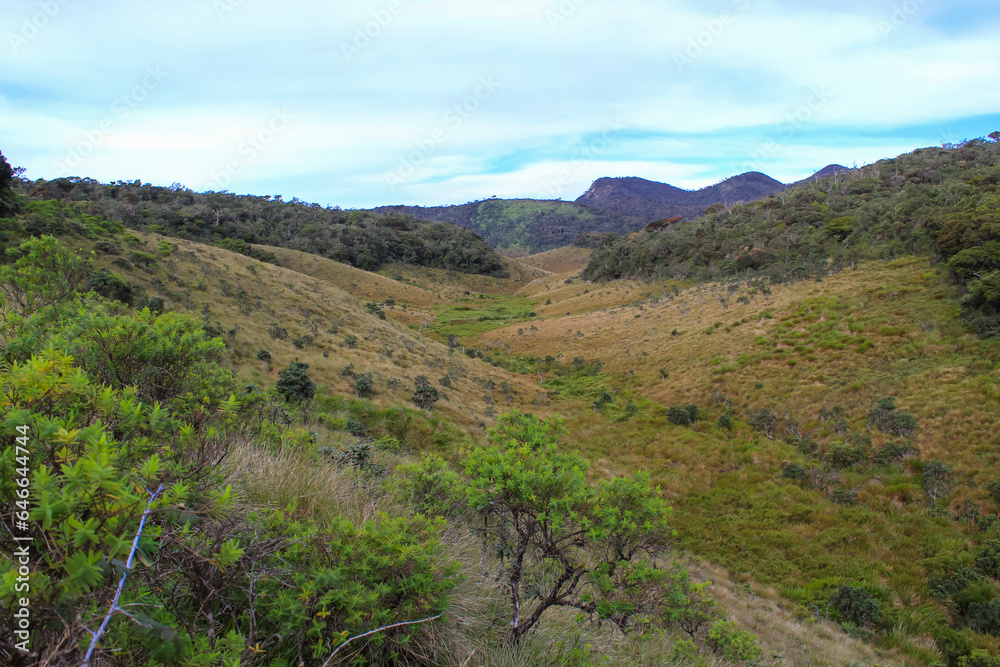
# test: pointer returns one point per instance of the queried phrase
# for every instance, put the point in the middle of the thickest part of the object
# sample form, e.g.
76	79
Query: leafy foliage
294	384
856	605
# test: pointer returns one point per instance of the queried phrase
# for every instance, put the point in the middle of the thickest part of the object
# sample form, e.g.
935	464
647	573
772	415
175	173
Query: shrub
374	309
294	384
935	477
350	341
726	420
155	305
885	416
356	428
953	645
893	453
843	496
988	559
678	416
794	471
263	355
430	487
844	455
445	382
733	644
301	342
424	395
762	420
979	658
856	605
363	386
994	489
276	332
984	617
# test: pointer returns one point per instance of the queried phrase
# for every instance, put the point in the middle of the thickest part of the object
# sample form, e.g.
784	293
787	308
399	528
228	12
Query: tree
9	202
295	384
935	476
562	542
424	395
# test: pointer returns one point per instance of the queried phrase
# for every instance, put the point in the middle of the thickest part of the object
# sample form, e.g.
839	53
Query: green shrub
350	341
988	559
733	644
363	385
678	416
984	617
374	309
726	420
294	384
424	395
893	453
979	658
793	471
263	355
276	332
844	455
843	496
885	416
953	645
856	605
431	487
936	478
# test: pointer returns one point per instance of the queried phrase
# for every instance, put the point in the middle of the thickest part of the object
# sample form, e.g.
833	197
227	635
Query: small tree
562	542
424	395
935	476
856	605
295	384
363	385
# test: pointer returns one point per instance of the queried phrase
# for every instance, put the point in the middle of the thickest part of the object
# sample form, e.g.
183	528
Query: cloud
696	88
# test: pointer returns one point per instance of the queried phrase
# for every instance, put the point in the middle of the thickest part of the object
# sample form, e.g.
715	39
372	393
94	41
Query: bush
726	420
793	471
893	453
356	428
762	420
350	342
294	384
679	416
263	355
363	386
935	477
844	496
733	644
988	559
979	658
843	455
856	605
445	382
424	395
984	617
953	645
374	309
430	487
301	342
885	416
276	332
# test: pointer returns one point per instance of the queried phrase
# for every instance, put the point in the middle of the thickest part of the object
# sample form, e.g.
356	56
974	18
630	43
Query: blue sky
445	101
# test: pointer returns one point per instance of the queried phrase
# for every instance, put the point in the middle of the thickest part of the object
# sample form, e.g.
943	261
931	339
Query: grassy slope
560	260
197	275
884	329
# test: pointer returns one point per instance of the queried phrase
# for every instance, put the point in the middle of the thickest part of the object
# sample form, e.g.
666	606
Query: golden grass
567	259
197	276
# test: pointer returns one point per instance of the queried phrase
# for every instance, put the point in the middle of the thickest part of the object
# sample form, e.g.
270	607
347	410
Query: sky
431	102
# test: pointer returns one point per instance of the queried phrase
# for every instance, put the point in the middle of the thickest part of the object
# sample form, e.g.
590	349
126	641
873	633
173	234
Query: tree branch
121	583
371	632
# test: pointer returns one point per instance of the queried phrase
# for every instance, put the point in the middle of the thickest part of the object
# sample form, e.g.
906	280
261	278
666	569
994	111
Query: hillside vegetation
362	239
293	460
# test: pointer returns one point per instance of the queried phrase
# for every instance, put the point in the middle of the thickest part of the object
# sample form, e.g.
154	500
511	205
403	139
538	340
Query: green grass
470	317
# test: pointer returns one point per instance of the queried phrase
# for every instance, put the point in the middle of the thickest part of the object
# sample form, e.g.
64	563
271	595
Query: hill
362	239
649	200
610	206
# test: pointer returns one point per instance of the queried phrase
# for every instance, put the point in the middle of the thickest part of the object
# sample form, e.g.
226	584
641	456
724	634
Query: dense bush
885	416
424	395
295	384
856	605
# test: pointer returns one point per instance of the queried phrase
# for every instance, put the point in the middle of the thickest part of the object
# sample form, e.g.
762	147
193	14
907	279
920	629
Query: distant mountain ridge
610	205
651	200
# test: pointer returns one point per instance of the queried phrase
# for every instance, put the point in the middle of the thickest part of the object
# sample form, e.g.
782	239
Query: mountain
610	205
650	200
